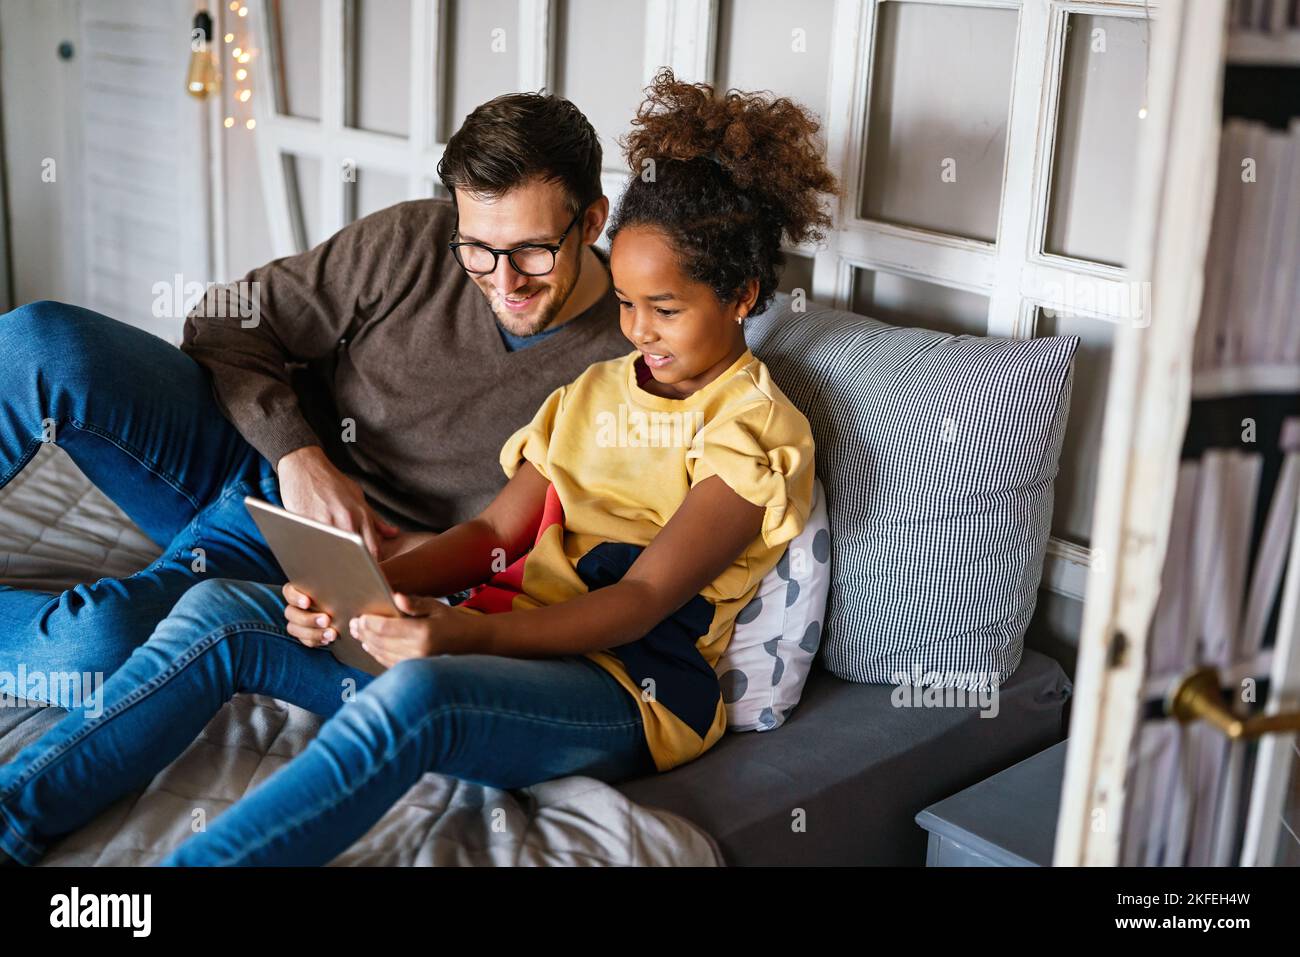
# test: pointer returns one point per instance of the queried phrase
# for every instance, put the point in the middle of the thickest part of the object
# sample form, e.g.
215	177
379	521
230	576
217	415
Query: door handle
1198	697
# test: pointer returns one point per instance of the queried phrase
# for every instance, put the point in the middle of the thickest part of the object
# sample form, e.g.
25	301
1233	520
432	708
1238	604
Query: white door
1197	514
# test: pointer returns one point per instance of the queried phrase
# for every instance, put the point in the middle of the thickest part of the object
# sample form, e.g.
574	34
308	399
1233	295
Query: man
372	388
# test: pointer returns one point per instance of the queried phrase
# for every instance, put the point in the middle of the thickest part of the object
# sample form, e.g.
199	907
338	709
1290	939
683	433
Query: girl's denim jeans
502	722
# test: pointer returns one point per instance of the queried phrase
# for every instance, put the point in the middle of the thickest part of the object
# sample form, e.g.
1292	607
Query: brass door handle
1198	696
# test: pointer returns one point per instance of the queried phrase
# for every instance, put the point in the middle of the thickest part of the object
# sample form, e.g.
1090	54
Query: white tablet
332	566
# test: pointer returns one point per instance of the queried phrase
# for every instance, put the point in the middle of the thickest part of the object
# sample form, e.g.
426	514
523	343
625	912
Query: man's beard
556	296
536	321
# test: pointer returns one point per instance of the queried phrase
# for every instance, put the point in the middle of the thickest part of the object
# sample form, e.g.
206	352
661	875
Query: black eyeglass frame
552	248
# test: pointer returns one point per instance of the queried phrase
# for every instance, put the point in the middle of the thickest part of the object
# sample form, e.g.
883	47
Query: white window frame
1146	419
1014	273
680	33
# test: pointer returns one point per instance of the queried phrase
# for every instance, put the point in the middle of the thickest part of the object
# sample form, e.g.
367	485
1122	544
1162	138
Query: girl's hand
433	629
311	626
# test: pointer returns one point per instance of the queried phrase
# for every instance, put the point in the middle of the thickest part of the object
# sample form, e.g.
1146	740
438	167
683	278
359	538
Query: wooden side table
1007	820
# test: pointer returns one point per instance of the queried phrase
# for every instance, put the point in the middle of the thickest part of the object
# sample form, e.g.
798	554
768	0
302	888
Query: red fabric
498	593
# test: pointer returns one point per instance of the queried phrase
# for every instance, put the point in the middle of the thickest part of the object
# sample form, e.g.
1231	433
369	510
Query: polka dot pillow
777	634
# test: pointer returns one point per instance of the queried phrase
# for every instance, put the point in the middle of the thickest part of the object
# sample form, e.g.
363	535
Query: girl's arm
466	554
469	553
710	529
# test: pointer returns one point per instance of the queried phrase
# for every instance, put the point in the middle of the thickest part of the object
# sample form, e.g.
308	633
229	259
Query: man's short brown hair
520	136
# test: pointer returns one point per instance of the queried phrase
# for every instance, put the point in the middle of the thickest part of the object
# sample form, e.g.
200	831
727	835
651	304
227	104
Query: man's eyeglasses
529	259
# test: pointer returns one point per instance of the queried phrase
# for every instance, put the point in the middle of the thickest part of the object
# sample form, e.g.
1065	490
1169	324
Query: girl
646	501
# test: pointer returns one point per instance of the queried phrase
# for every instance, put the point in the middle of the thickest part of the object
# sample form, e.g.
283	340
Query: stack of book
1239	480
1249	316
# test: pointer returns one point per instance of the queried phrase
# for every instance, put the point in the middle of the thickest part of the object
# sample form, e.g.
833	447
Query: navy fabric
515	343
684	682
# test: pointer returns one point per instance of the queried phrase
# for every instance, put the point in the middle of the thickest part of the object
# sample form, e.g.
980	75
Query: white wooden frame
681	33
329	139
1146	416
1013	272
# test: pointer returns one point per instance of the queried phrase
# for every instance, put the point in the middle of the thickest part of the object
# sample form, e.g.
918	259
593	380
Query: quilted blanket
56	529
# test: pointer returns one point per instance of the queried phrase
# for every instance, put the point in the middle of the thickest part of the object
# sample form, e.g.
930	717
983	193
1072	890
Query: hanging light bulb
203	77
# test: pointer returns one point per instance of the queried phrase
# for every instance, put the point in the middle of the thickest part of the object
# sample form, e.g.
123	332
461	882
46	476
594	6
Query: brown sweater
381	326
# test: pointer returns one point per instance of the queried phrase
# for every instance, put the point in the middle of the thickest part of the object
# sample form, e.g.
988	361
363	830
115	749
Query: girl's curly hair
724	178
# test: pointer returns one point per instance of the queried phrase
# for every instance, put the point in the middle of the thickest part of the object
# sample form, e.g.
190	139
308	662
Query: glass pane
302	183
297	30
937	121
375	190
1076	481
1096	138
903	301
482	56
1055	628
597	75
379	67
777	45
797	274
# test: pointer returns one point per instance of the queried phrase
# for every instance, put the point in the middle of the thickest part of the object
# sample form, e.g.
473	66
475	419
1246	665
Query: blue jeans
503	722
139	418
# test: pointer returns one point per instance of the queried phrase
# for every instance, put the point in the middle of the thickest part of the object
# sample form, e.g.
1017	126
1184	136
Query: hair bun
767	146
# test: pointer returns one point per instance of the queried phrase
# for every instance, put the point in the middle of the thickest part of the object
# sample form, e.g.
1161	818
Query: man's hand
311	486
432	629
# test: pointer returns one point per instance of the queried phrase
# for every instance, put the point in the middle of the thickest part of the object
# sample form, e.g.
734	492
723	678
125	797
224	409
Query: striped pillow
937	454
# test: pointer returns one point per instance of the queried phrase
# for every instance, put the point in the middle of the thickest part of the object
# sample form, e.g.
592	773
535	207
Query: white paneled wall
44	264
106	158
985	147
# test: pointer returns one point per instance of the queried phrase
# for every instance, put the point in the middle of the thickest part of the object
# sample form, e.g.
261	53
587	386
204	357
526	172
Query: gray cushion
937	453
857	767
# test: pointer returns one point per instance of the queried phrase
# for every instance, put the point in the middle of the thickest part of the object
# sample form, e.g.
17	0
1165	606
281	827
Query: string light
241	53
